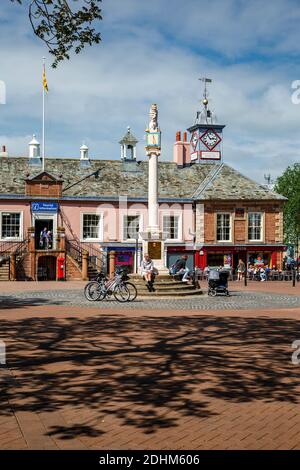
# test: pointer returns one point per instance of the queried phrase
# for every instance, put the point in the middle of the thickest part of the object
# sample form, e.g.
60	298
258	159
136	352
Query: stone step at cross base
165	287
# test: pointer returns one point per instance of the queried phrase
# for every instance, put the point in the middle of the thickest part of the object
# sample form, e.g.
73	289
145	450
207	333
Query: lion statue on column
153	114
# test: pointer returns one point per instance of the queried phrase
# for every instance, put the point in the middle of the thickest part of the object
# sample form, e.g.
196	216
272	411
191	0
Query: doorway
46	268
237	256
40	225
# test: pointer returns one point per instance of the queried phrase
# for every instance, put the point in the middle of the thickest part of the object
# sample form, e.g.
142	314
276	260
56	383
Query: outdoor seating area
271	275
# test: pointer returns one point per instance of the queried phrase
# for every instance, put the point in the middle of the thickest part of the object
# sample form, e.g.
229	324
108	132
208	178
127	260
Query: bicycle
91	290
118	286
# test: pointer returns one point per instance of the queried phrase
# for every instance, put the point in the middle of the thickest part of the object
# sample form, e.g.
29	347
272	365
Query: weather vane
205	115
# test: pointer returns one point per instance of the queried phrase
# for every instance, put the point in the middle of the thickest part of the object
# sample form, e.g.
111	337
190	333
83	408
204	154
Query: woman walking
241	270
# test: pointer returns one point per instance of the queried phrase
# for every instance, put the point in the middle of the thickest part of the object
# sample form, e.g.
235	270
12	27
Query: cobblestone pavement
237	300
152	377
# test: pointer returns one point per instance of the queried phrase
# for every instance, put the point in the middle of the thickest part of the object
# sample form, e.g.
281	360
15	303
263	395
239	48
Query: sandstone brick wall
240	231
23	268
272	225
43	189
73	271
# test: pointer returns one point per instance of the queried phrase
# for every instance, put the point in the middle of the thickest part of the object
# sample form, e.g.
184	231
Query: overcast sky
154	52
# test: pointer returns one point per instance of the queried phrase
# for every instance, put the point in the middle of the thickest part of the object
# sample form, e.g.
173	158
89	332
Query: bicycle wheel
132	291
93	291
121	293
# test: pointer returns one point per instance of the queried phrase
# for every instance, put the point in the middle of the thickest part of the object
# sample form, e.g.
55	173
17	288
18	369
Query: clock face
194	140
210	139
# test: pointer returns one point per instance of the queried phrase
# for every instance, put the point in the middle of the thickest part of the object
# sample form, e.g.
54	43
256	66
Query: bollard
294	277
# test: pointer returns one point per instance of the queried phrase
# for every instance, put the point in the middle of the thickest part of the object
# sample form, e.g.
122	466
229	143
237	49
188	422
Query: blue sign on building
44	206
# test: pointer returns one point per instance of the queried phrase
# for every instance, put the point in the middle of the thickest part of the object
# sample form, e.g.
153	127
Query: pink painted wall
18	206
112	216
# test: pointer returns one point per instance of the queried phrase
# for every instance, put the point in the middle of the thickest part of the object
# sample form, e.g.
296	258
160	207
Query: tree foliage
64	25
288	184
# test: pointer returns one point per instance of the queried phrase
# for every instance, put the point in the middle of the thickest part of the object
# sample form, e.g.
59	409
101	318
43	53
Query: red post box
61	269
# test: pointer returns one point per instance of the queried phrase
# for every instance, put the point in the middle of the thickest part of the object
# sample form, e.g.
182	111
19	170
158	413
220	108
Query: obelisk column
153	238
153	193
153	136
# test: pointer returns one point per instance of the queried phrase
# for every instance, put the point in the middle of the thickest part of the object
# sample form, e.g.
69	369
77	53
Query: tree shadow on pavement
147	372
8	302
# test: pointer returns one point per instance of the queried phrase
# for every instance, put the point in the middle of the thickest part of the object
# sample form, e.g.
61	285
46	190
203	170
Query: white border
100	231
20	238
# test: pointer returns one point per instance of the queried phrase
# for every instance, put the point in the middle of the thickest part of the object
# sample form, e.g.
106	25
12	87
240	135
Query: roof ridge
210	177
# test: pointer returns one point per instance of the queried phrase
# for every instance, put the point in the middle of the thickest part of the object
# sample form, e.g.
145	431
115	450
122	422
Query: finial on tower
205	116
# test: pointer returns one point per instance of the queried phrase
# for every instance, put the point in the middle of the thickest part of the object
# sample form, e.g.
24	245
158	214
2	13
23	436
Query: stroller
218	282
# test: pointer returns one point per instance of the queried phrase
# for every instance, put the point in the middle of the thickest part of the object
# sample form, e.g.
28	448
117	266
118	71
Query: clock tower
206	135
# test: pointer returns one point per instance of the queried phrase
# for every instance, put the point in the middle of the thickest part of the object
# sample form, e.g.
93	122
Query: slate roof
116	178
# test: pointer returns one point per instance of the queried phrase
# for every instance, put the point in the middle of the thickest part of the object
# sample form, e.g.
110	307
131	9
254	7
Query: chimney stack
3	153
181	152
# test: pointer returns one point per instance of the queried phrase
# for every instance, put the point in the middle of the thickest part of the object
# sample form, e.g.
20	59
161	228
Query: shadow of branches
148	372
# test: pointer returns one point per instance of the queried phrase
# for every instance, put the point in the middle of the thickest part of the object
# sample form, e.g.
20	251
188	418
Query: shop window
131	226
10	225
171	226
223	227
91	226
254	226
215	260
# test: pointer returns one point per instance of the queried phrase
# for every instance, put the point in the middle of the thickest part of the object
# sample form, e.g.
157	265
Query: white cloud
151	55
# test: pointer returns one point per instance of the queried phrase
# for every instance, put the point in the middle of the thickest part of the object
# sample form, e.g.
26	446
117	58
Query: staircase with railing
96	258
8	248
75	248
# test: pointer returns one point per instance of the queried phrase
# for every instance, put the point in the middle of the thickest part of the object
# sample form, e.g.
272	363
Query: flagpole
43	132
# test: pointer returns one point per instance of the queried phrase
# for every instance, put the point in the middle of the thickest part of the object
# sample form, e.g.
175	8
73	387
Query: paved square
148	378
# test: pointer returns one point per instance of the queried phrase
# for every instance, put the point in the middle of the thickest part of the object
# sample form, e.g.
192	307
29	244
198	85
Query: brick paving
145	378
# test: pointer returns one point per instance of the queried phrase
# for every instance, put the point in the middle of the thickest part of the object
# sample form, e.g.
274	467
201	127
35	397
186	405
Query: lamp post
246	271
296	267
136	251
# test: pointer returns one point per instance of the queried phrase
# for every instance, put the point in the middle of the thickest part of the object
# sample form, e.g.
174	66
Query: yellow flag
45	84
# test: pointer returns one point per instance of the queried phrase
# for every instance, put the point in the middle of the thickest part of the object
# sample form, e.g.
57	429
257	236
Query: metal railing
8	248
74	250
97	259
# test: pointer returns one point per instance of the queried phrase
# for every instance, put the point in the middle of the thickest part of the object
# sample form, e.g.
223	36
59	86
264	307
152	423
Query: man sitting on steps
180	267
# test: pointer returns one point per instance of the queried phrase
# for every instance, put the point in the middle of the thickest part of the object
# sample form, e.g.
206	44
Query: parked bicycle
118	287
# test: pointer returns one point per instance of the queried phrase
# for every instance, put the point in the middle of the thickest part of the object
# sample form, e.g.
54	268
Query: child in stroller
218	282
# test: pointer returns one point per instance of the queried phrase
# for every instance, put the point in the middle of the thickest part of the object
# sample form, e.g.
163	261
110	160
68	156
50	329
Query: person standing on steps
148	272
43	238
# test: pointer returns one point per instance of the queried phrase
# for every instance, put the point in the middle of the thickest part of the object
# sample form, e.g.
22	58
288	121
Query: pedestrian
148	272
43	238
241	270
49	240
